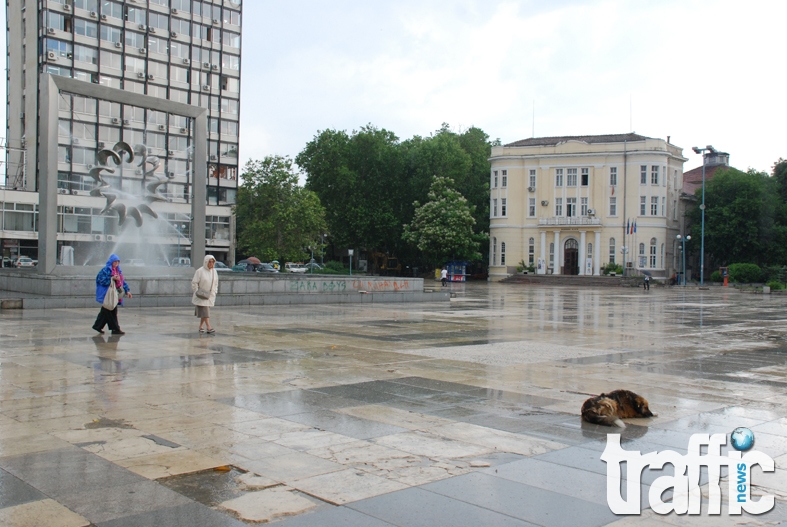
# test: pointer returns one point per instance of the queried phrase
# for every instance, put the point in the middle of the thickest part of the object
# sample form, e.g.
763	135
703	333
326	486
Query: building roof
553	141
692	180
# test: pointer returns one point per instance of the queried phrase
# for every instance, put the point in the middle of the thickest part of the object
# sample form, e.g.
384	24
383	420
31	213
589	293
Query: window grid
532	179
653	253
583	206
558	178
503	207
643	203
502	253
558	206
531	251
571	177
643	174
613	176
612	250
585	179
613	206
654	175
504	180
531	207
654	206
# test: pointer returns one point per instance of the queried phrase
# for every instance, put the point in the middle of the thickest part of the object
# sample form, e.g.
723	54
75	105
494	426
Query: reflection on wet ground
378	415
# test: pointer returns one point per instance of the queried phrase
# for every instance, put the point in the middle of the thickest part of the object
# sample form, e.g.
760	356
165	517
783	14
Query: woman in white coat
205	285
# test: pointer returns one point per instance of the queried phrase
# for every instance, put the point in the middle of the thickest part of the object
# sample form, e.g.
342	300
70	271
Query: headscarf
119	272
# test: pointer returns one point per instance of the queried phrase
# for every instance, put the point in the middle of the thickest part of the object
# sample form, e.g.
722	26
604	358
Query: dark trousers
646	285
108	318
443	280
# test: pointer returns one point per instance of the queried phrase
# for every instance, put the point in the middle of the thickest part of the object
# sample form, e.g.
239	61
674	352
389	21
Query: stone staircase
573	281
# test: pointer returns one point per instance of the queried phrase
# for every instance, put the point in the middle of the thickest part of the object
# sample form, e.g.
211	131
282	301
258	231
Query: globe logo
742	439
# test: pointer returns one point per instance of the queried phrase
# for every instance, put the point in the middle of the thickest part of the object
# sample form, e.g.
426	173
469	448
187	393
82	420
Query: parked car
266	268
313	267
181	261
290	267
136	262
24	262
7	261
221	267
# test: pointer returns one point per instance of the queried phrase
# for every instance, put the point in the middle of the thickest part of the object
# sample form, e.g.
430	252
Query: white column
582	252
558	252
544	251
597	255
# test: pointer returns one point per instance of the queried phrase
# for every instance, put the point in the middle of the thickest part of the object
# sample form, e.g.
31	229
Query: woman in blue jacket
110	275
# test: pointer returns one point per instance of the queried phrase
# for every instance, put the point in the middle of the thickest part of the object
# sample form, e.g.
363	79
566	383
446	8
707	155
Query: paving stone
14	491
45	512
187	515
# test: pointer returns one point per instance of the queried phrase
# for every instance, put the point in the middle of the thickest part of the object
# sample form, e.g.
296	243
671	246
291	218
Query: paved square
386	414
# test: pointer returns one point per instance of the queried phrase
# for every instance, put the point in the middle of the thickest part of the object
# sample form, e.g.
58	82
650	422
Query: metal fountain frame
51	86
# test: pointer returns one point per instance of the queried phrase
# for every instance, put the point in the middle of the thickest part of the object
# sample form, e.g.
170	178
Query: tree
442	228
739	217
276	218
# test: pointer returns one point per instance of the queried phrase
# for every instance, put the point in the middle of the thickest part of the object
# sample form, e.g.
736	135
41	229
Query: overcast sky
701	72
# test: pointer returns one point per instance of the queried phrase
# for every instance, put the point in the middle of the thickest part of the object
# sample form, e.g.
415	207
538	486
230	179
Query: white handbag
111	298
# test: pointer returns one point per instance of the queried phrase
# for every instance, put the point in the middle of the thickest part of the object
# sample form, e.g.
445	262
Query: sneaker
99	330
118	332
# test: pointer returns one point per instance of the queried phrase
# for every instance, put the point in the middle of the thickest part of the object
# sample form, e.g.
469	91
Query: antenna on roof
534	118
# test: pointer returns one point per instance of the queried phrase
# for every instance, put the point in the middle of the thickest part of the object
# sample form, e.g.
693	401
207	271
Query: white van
181	261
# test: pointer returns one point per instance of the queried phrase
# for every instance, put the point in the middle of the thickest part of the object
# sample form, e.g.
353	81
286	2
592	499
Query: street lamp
683	240
698	150
322	248
350	252
180	228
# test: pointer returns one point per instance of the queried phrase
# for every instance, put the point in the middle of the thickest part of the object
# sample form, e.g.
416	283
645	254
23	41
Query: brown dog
609	408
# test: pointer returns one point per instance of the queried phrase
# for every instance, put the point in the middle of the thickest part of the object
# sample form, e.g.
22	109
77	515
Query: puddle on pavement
209	487
107	423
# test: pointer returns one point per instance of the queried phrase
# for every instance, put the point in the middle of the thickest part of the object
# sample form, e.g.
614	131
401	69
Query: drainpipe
625	165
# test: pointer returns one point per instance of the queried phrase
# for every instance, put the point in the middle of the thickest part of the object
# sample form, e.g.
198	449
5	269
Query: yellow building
570	205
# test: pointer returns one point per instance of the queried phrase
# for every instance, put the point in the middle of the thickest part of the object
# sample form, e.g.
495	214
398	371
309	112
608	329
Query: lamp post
698	150
350	252
683	251
322	248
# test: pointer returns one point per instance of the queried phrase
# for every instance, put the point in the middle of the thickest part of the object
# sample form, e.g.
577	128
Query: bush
771	273
715	276
745	273
613	268
775	286
334	266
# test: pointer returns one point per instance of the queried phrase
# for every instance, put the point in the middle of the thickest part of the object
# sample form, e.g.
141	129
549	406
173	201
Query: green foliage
775	286
369	180
442	228
745	273
276	218
612	268
334	266
715	276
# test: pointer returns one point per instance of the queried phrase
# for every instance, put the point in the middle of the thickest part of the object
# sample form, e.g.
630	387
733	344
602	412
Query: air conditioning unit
206	87
66	7
126	122
143	27
91	166
143	50
62	191
110	238
215	20
206	64
174	34
591	212
140	75
104	17
213	157
115	120
96	79
51	31
75	141
214	66
75	192
531	189
152	29
174	11
186	61
170	152
93	14
69	55
98	237
51	55
118	45
150	76
544	202
184	130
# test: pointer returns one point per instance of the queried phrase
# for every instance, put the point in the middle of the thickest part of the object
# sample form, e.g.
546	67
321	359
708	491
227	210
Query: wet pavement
381	415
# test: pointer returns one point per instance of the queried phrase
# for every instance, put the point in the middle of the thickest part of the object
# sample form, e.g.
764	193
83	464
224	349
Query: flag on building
635	227
628	226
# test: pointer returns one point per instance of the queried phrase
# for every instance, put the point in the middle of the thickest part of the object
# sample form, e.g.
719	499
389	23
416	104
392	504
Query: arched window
494	251
612	250
642	249
502	253
590	250
552	255
531	251
662	256
653	244
643	260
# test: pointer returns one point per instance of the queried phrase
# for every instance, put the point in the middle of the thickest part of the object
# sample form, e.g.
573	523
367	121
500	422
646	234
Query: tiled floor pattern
399	415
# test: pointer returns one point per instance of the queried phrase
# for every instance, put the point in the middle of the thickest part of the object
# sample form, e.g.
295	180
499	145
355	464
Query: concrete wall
235	289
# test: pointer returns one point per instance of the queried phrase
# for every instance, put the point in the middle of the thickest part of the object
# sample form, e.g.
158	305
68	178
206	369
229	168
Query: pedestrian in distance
443	277
110	276
646	283
205	285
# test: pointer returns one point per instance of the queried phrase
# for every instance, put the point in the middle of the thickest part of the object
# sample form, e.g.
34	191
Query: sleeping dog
609	408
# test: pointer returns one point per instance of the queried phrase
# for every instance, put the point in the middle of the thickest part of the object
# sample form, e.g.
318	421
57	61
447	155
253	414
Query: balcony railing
561	220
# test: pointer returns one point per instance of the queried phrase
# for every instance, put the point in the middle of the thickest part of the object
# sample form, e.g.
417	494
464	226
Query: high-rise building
184	51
